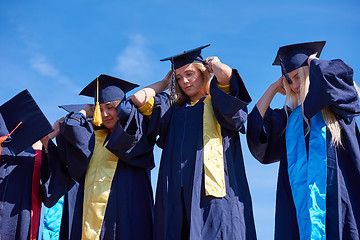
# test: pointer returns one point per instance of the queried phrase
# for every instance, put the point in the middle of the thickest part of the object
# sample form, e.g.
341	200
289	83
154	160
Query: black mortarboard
109	89
3	129
106	89
179	60
186	57
73	107
294	56
34	125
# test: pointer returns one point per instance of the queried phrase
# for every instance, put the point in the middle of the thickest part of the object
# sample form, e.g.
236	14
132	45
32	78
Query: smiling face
109	115
191	81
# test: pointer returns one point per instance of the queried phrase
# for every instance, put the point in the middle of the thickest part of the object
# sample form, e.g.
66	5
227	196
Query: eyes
106	107
296	78
187	74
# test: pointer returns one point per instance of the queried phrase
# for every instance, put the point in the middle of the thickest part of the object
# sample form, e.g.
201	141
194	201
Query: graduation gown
15	193
16	183
180	190
331	85
129	211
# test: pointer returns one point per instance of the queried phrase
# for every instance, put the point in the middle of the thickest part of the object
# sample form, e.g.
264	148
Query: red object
35	197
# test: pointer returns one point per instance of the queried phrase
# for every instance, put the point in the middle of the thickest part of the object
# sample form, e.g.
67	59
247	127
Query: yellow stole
98	179
213	148
213	153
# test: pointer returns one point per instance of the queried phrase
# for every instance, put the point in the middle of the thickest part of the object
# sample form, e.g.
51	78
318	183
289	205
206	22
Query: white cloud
41	65
46	69
133	62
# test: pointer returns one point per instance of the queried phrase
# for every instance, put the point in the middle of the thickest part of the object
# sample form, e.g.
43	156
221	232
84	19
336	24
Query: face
109	115
190	81
296	82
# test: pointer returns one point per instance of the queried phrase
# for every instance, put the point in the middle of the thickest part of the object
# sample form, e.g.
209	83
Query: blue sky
55	48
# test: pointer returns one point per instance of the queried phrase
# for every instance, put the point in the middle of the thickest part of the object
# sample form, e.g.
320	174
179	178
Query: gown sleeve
75	141
230	109
55	180
332	86
128	141
160	119
266	136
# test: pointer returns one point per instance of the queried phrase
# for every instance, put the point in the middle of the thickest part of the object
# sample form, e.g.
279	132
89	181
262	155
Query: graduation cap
73	107
105	89
291	57
179	60
23	114
186	57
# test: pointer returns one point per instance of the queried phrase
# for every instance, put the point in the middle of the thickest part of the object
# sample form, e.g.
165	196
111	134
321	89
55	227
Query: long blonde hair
293	101
180	97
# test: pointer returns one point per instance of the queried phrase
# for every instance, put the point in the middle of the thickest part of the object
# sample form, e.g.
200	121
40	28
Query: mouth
107	120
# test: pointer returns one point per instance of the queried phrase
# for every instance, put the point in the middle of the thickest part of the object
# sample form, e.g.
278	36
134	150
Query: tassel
172	86
3	138
97	113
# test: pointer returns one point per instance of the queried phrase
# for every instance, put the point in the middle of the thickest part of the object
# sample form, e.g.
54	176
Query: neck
197	97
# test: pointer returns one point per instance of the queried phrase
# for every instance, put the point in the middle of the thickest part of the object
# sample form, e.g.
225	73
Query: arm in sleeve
332	86
160	119
128	141
54	178
230	109
76	141
266	136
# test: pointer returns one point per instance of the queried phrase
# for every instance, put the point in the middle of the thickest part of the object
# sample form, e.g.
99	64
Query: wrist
164	84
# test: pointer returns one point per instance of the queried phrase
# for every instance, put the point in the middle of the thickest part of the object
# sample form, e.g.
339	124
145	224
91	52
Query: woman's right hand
44	141
88	111
56	127
278	86
264	102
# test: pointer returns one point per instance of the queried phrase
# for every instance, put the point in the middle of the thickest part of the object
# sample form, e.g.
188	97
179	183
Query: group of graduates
99	156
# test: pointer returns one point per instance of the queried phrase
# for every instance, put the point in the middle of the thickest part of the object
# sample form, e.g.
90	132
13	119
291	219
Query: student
202	191
316	140
113	199
20	163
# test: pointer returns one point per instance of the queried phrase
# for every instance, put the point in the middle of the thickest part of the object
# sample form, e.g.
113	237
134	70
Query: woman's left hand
213	62
222	71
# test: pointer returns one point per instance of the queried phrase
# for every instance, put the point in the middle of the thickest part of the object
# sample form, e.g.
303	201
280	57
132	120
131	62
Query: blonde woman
202	191
316	140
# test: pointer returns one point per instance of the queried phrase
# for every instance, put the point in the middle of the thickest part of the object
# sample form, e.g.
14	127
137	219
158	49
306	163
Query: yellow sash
98	179
213	148
213	153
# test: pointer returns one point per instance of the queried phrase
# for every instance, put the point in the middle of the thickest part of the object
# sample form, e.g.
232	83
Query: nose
185	80
104	113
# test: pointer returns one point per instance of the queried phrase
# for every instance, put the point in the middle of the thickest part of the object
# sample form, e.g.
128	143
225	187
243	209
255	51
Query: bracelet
75	119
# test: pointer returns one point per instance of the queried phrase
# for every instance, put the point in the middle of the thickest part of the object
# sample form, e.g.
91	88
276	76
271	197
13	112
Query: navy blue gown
129	211
16	179
15	193
180	190
331	85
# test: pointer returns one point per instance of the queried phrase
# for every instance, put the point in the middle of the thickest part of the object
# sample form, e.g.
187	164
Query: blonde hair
293	101
180	97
